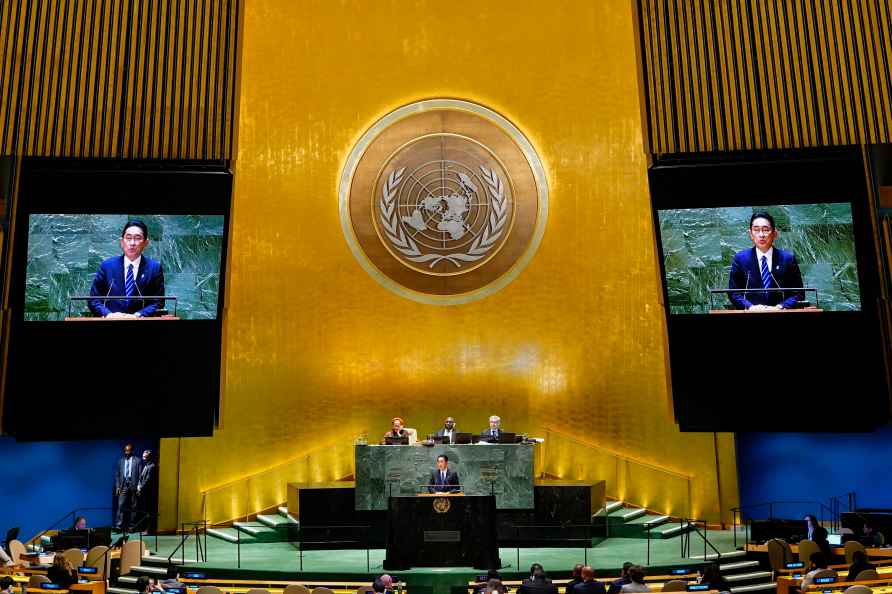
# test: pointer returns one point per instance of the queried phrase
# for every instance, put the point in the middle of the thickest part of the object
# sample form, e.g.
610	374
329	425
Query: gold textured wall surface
118	78
767	74
316	350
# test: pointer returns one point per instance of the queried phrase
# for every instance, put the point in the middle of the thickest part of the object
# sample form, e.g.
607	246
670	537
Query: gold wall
317	351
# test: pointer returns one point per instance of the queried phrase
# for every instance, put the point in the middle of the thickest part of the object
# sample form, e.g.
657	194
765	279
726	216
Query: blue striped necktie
130	284
766	276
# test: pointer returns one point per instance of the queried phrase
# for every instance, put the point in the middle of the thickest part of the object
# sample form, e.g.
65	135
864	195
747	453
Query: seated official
537	584
132	275
6	584
383	584
494	431
764	267
495	586
712	576
617	585
147	585
870	537
589	584
575	578
396	429
636	581
62	573
859	564
817	562
447	431
443	480
814	531
80	523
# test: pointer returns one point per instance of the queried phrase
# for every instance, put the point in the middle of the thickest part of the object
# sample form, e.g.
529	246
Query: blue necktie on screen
130	284
766	276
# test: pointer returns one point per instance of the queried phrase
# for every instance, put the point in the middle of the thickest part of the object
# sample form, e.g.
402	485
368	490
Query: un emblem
443	201
442	505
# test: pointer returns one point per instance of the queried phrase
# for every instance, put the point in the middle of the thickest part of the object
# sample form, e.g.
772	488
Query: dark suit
537	586
746	273
109	280
571	584
819	535
592	587
60	577
125	489
486	434
438	485
856	568
147	505
441	432
617	585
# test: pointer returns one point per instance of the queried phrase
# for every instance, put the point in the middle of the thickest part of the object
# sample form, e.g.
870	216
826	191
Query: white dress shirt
767	255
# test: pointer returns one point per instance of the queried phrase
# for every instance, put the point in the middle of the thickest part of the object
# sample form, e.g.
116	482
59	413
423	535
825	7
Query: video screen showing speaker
760	258
770	289
116	266
115	300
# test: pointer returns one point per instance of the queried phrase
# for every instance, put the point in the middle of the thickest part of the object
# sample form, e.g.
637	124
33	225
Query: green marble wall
698	245
64	252
401	470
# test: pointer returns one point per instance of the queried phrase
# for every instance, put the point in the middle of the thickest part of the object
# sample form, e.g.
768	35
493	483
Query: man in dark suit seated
576	578
447	431
495	429
442	479
617	585
589	585
764	267
538	583
130	274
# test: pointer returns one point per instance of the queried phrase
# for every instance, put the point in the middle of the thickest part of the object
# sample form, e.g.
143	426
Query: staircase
744	574
279	527
625	521
152	566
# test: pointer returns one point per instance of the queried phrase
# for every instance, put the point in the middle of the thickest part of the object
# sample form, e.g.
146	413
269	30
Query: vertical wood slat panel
754	74
118	78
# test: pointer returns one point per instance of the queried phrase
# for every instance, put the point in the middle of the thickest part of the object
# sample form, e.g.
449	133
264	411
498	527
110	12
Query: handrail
686	538
833	509
200	554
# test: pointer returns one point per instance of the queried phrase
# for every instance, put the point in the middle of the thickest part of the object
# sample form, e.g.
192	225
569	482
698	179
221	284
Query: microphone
136	284
783	293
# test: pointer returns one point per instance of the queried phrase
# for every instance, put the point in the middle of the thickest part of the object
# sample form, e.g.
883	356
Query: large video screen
712	258
77	266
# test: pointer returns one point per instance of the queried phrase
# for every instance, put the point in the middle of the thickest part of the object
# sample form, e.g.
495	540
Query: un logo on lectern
441	505
443	201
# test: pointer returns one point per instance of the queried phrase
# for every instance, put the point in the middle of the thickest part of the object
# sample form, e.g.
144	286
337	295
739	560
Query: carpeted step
674	530
276	521
128	580
119	590
231	535
724	556
150	570
610	508
737	566
637	526
260	532
759	588
753	576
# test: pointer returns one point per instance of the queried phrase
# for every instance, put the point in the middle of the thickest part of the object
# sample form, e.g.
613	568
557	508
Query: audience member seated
870	537
589	585
818	564
148	585
817	533
383	584
538	583
6	584
859	564
617	585
5	560
636	581
495	586
712	575
80	523
576	578
62	572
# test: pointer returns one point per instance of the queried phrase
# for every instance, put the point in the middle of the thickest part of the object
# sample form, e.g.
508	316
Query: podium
442	530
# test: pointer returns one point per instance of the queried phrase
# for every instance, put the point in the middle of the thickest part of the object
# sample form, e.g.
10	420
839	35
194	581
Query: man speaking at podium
442	479
130	274
764	267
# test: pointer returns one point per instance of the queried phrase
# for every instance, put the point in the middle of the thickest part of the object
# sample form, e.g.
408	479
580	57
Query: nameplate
442	536
794	565
697	587
194	576
50	586
85	569
682	571
825	580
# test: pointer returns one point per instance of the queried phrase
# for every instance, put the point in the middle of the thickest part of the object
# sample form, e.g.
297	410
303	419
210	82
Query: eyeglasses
762	230
134	238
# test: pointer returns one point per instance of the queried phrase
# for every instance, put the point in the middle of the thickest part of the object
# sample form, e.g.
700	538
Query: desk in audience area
483	469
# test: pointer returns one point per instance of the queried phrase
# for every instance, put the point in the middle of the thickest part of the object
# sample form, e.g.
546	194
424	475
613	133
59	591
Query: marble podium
503	470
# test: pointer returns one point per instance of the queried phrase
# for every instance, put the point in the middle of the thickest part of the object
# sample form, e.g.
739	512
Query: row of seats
290	589
780	553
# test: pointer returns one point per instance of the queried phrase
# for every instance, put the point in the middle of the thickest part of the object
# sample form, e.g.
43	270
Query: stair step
276	521
260	533
737	565
231	535
613	506
127	579
635	513
675	530
746	577
148	570
283	510
652	521
117	590
768	586
713	556
161	560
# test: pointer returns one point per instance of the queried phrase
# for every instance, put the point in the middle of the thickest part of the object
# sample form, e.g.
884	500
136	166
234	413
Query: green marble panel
65	250
401	470
699	243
